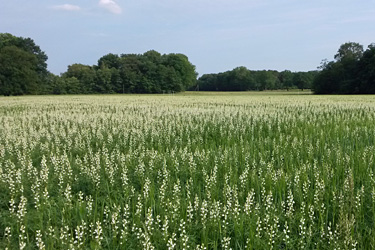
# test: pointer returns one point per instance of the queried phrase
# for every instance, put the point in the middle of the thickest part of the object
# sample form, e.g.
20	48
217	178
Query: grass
187	171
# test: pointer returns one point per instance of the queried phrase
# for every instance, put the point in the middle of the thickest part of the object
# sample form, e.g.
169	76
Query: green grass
248	170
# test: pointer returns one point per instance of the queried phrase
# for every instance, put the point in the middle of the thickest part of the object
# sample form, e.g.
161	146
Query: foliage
17	71
243	79
150	72
349	51
214	171
23	68
351	73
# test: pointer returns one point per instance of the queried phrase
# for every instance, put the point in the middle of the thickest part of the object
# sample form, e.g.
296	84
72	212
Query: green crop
207	171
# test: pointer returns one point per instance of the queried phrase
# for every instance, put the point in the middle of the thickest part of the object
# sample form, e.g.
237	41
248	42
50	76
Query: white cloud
111	6
68	7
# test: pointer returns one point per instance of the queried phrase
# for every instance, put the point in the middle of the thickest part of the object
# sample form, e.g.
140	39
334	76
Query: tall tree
183	68
286	79
349	51
28	45
366	71
32	67
241	79
352	72
18	74
110	61
104	80
86	75
303	80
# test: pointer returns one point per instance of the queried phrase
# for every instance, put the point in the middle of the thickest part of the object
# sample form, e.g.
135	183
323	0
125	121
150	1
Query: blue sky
216	35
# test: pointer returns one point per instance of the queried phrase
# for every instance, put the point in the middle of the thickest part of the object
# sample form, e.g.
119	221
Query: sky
216	35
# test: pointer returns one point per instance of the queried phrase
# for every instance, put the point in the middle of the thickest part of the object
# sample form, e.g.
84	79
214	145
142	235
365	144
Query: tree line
243	79
352	71
150	72
23	70
23	67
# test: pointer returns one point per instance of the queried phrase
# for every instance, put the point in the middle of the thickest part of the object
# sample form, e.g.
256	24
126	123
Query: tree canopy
352	72
23	70
23	67
150	72
243	79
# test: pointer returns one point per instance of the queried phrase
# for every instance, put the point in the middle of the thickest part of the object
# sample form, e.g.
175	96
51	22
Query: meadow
187	171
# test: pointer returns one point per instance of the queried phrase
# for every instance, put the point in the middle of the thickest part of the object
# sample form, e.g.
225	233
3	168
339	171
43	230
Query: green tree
86	76
130	72
170	79
116	81
18	73
349	51
28	45
153	56
265	80
29	65
286	79
109	61
366	72
327	81
303	80
241	79
207	82
341	76
104	80
56	84
150	72
183	68
72	85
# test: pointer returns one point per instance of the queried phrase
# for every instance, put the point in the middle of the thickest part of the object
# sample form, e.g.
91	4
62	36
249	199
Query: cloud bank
67	7
111	6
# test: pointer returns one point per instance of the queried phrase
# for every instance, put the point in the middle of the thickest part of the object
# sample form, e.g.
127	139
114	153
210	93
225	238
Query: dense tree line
23	70
352	72
150	72
23	67
243	79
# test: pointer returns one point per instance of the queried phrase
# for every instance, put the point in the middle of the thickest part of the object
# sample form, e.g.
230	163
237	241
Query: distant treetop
352	72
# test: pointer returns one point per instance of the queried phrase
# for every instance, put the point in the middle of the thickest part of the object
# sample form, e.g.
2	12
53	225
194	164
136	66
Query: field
187	171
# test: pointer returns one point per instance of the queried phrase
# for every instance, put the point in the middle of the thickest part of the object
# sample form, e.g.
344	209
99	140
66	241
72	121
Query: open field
187	171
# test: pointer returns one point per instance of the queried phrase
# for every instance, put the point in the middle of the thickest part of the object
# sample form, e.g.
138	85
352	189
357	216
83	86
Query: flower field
187	171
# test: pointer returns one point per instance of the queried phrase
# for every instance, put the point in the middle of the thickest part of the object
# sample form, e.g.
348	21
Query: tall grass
187	172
